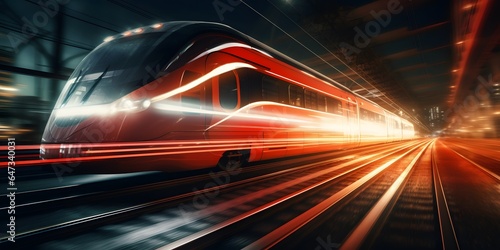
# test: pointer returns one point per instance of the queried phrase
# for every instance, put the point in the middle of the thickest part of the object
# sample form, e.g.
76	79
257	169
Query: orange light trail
141	151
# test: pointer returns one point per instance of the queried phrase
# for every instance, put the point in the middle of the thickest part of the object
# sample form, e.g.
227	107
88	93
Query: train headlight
146	103
127	105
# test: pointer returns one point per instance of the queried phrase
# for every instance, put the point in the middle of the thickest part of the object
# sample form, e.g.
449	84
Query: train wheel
234	159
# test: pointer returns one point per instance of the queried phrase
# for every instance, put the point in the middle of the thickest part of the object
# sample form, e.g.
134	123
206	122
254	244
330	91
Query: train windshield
117	68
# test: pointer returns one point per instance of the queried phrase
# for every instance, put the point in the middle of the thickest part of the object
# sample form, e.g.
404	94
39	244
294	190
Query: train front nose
49	151
116	142
72	136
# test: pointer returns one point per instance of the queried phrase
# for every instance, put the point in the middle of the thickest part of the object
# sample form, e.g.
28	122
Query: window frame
238	94
298	93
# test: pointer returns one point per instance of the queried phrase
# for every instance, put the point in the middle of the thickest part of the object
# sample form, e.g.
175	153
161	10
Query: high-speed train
189	95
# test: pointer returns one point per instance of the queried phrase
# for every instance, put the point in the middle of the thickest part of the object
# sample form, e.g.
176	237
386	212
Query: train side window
189	76
310	99
333	106
250	86
381	118
274	90
366	115
321	102
296	95
373	116
191	98
228	90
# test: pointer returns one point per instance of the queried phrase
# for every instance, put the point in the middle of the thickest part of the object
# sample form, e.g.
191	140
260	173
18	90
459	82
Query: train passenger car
372	123
393	127
408	130
189	95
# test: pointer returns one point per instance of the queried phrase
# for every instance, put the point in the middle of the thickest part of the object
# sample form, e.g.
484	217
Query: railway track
61	209
472	193
415	213
422	209
484	156
235	199
384	198
345	209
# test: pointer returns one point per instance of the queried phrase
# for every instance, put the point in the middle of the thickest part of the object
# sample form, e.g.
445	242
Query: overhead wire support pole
57	54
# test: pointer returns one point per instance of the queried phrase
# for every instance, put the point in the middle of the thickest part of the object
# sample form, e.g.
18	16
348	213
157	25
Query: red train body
188	95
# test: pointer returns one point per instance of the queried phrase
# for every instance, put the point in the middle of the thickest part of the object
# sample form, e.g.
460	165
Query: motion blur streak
238	113
229	45
145	150
217	71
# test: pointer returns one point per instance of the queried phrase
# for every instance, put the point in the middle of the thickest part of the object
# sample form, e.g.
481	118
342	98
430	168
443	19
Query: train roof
193	28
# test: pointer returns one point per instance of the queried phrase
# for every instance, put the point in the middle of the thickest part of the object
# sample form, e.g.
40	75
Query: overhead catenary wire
328	63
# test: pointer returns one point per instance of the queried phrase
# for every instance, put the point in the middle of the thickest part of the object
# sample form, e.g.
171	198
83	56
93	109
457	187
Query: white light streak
230	45
103	109
217	71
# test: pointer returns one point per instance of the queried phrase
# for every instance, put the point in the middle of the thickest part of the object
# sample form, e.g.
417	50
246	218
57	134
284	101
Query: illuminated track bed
308	168
416	194
484	152
335	208
435	206
53	206
471	190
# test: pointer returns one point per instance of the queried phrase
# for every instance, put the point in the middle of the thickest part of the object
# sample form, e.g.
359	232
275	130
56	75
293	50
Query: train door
391	127
227	127
225	95
352	123
193	104
398	130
